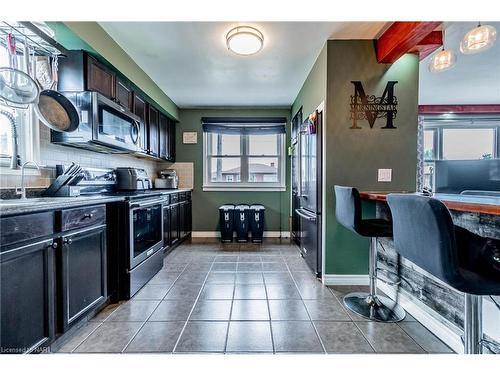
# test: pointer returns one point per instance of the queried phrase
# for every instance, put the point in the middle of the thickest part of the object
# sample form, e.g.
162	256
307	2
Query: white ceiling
475	79
190	62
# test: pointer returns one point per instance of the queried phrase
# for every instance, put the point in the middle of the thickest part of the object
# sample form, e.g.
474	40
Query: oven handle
146	204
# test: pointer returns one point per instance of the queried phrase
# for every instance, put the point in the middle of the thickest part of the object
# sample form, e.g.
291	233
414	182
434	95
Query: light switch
384	175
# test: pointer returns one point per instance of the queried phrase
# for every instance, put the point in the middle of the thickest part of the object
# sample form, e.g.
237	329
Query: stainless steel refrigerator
295	201
309	191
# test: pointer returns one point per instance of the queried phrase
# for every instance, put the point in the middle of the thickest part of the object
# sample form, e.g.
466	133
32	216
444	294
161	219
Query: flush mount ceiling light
478	39
443	60
244	40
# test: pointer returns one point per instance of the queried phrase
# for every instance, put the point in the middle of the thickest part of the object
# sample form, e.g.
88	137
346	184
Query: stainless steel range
135	228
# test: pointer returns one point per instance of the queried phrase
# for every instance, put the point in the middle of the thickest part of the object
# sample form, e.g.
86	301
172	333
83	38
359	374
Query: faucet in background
22	191
14	161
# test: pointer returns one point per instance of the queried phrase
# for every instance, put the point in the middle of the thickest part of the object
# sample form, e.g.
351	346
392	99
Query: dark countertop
10	207
466	203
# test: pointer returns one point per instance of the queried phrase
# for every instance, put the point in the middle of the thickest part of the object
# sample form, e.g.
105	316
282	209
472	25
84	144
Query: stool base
373	307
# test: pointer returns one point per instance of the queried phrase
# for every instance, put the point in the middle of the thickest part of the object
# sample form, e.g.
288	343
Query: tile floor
242	299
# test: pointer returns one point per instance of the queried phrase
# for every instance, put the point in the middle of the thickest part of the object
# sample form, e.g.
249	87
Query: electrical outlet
384	175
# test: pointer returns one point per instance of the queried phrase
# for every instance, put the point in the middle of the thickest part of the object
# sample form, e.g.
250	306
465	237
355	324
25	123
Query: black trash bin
241	222
256	219
226	222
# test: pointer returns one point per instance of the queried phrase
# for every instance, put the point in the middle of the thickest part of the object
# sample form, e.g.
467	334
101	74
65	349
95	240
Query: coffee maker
168	180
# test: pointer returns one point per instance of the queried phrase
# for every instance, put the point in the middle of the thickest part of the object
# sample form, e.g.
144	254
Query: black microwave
105	126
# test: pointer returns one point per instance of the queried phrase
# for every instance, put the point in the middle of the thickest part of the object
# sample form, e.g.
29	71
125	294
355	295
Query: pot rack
40	43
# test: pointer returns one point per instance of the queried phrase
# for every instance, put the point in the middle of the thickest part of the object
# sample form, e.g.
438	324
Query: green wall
206	203
356	154
91	37
313	91
353	156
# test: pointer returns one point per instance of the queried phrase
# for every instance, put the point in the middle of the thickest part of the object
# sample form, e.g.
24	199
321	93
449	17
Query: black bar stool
348	213
424	234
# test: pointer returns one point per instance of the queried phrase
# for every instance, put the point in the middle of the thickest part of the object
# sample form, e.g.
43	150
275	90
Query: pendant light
478	39
443	60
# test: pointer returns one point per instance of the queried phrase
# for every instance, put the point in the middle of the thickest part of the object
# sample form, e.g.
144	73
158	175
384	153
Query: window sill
244	188
28	171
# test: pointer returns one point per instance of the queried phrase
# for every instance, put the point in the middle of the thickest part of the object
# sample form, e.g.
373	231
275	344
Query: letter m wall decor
371	107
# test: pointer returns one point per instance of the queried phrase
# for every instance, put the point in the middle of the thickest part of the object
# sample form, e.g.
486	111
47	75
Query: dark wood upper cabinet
80	71
140	110
164	141
171	141
100	78
153	131
124	95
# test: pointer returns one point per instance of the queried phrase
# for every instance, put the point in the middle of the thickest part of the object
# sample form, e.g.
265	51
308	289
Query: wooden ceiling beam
401	37
429	44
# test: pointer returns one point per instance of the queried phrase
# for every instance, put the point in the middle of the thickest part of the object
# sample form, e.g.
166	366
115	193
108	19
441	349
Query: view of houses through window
459	140
240	158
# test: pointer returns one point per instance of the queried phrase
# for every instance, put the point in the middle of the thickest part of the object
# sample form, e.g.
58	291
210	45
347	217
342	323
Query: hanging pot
53	109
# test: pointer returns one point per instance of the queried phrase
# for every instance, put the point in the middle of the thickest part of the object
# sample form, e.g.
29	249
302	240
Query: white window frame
28	140
28	144
280	185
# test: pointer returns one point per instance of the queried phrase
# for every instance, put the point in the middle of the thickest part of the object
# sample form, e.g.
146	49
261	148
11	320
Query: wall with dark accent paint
356	154
206	203
353	156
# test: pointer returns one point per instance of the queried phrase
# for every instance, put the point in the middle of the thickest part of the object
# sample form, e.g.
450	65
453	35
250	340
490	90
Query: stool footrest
388	274
374	307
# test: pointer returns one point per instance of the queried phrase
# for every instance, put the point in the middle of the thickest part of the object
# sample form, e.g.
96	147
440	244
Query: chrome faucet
22	191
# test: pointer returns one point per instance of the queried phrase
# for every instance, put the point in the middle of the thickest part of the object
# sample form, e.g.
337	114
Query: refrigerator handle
299	147
305	216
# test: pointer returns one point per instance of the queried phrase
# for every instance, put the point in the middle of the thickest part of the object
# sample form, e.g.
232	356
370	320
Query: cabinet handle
88	216
53	245
68	241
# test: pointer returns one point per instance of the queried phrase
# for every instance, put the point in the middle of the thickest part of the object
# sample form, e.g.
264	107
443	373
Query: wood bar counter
465	203
421	293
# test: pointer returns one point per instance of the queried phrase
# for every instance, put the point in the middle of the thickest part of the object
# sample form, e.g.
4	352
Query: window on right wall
462	139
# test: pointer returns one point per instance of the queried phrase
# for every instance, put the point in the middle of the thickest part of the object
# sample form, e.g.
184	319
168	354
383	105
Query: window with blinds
244	153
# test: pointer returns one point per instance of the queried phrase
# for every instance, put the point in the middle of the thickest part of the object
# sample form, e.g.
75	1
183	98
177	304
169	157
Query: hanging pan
53	108
17	88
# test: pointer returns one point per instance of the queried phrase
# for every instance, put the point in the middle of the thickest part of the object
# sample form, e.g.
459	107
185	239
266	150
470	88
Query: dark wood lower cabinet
82	274
27	297
174	224
189	218
166	227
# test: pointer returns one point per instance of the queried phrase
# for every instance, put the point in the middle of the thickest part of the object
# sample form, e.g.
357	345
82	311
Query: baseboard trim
215	234
332	279
449	336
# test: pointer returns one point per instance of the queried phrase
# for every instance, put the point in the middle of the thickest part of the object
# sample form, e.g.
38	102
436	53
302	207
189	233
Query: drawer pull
88	216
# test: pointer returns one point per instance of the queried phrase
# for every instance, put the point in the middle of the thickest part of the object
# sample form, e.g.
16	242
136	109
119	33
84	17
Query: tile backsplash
185	172
51	154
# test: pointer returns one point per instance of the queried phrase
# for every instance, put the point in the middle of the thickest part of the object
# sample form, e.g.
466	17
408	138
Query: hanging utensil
17	88
43	75
54	109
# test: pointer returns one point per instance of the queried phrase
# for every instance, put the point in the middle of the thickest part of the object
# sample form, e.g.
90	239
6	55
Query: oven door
146	228
114	126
